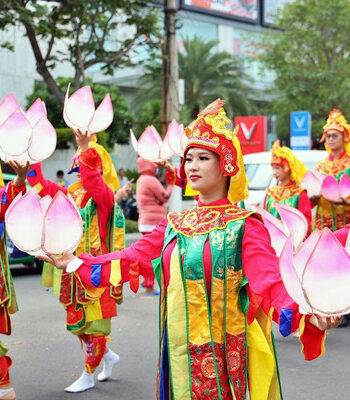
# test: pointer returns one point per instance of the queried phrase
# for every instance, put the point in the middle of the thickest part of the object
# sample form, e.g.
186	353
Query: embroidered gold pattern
284	192
215	217
328	167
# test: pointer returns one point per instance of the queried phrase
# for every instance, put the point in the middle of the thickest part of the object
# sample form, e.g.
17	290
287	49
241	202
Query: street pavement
47	358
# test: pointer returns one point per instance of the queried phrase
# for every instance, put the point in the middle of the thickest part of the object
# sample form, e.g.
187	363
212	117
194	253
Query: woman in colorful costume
336	134
219	279
289	172
8	303
89	312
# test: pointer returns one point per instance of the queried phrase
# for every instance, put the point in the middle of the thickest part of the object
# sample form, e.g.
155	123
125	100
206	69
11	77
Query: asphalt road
47	358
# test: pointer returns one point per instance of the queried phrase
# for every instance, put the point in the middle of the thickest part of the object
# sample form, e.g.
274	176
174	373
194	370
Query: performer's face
334	140
282	177
202	168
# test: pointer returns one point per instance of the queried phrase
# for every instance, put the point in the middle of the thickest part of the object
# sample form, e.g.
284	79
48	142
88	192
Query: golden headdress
283	156
337	122
209	132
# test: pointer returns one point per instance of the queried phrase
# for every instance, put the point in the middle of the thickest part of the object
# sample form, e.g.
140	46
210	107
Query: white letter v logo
248	133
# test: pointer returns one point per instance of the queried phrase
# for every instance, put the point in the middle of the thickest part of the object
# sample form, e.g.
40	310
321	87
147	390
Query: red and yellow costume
8	303
220	287
290	194
88	313
329	214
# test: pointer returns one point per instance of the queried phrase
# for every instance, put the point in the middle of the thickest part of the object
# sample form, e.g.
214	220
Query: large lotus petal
330	188
45	202
276	230
347	244
8	106
133	140
312	183
24	222
173	137
344	187
103	116
295	222
326	278
79	108
35	112
304	251
43	141
165	152
184	140
63	227
289	276
149	144
21	159
65	117
15	134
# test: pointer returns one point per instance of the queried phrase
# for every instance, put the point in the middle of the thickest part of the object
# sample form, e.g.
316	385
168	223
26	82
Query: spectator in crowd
60	180
151	198
123	180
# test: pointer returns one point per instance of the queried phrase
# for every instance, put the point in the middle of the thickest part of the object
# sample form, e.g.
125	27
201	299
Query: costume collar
331	157
220	202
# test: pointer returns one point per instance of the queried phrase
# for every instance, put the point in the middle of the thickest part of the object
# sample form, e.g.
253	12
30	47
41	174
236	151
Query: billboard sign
300	130
252	133
270	10
245	10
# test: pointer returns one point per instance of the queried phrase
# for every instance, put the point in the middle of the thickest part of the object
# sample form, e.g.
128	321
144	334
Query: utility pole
172	81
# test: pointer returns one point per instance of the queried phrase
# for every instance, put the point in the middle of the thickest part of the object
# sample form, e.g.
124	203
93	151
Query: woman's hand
59	262
122	192
82	139
21	172
166	165
315	199
324	323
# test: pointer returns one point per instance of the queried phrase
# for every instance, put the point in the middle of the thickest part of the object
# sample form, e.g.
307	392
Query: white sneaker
84	382
110	359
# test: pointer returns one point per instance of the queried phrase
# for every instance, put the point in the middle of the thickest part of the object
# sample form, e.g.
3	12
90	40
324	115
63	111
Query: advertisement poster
270	10
252	133
236	9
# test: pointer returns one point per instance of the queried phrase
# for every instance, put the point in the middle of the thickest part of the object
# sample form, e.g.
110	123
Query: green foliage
151	114
64	138
131	226
208	74
310	57
118	130
132	174
90	30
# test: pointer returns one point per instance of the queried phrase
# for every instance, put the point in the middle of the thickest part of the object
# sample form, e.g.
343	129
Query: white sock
84	382
110	359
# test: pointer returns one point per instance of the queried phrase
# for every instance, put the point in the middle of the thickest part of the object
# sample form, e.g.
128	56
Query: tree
208	74
118	130
310	56
106	33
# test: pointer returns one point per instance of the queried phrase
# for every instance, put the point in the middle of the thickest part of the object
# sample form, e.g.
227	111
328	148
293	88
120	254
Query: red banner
252	133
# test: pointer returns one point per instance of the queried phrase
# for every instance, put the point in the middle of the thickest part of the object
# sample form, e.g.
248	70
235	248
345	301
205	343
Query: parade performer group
89	312
289	172
8	303
219	280
336	135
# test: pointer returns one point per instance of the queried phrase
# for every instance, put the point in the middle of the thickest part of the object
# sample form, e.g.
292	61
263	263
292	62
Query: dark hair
59	172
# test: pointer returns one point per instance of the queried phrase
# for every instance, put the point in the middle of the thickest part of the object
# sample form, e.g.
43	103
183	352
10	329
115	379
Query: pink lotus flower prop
312	182
25	136
334	191
292	220
317	274
79	111
38	226
151	146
